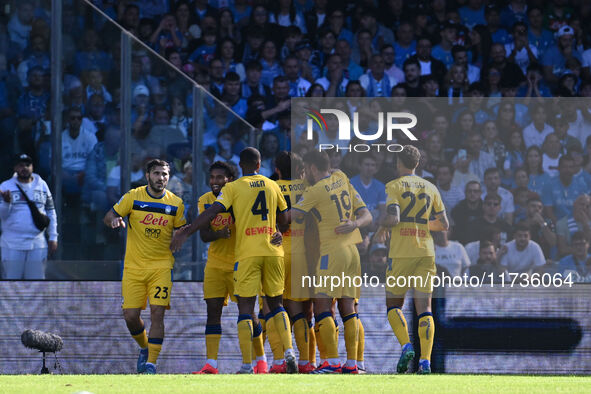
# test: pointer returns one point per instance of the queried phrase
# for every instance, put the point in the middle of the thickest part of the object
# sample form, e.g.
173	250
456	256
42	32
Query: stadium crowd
509	150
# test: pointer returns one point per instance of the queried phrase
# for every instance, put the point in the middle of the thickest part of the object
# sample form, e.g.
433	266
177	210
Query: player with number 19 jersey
418	200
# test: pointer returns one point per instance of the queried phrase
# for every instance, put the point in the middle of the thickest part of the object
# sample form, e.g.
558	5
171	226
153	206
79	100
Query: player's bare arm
362	218
201	222
440	223
277	238
112	220
389	220
209	235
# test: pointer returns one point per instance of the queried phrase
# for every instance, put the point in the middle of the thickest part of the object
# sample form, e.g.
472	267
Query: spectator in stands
231	94
492	143
450	194
298	86
579	220
514	156
472	13
279	101
38	56
479	160
372	191
391	69
378	257
535	133
429	65
364	49
467	211
533	165
205	52
536	87
269	147
522	255
186	23
286	15
130	18
226	52
442	51
24	247
521	195
254	40
538	36
180	119
405	45
577	264
216	76
77	143
103	156
492	182
351	70
225	142
479	46
96	120
19	25
490	217
460	58
510	71
334	83
552	150
542	229
462	173
269	62
412	78
375	82
561	192
32	104
450	254
336	23
487	263
493	23
91	56
519	50
253	84
490	234
557	55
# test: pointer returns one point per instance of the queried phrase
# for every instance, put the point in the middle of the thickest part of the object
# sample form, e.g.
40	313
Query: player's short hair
409	156
286	161
578	236
522	226
156	163
486	244
250	156
230	170
318	159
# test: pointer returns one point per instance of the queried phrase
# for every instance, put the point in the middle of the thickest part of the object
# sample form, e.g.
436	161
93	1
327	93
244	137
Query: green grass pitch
169	384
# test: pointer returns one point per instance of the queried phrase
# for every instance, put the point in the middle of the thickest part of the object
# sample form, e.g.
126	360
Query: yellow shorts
252	272
336	273
138	285
294	290
416	273
218	283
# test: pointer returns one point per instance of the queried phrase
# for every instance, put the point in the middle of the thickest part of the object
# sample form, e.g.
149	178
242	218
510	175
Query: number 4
260	206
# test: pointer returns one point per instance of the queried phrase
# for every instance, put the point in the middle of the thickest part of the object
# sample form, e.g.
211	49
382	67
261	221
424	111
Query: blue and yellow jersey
331	201
151	221
417	199
221	251
292	191
254	200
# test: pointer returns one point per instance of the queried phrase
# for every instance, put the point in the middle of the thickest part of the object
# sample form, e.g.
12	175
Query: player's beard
157	187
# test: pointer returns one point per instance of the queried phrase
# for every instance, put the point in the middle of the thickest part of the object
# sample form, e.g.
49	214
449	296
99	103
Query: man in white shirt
520	51
24	247
450	194
298	86
334	82
492	183
522	255
77	143
451	255
535	133
376	82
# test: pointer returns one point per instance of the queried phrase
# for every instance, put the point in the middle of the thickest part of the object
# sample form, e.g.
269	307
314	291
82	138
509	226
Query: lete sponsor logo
150	220
220	220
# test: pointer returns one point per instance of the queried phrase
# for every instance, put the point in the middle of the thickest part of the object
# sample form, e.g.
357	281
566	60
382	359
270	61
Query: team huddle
264	236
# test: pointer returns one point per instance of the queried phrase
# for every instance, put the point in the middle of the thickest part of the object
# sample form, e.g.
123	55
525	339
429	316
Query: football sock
326	330
426	334
360	341
213	333
301	333
274	340
263	322
245	337
351	337
312	344
336	330
154	347
282	326
257	341
321	348
140	337
398	324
